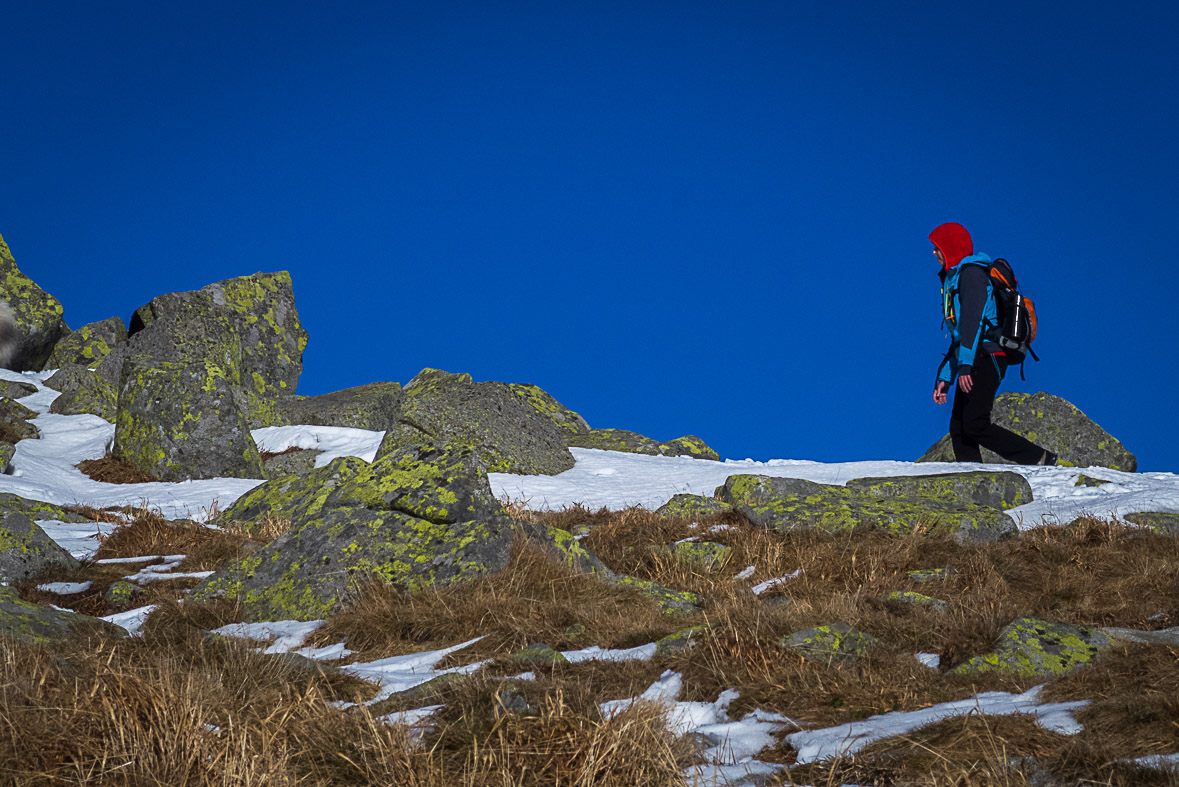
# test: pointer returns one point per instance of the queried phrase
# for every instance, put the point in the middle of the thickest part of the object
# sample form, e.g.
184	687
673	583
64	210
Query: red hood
954	242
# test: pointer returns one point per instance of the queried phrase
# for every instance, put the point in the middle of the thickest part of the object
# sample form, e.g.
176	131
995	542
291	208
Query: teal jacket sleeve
973	292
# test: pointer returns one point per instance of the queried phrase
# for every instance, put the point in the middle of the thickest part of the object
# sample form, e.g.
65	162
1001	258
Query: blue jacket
969	311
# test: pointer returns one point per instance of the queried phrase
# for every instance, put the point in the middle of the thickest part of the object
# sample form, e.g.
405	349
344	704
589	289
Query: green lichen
918	599
837	642
672	602
707	555
680	642
1036	648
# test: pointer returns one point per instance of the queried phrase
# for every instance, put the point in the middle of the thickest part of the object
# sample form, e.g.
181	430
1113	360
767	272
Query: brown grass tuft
113	471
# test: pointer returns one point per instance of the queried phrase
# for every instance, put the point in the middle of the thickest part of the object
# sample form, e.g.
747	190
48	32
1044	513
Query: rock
11	389
299	462
1001	490
178	421
673	602
932	574
41	625
122	594
1161	637
562	417
1052	423
833	644
1161	523
88	345
509	699
1084	480
508	433
680	642
708	555
786	504
25	550
7	451
35	509
14	422
38	315
1038	648
568	550
418	517
373	407
574	632
83	391
918	600
539	654
634	443
694	507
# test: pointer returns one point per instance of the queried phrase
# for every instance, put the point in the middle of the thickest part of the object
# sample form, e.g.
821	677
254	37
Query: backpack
1017	316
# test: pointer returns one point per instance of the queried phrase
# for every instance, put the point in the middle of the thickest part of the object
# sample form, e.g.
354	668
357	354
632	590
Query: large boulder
420	516
15	421
25	550
508	434
41	625
1052	423
89	345
83	391
634	443
540	400
38	315
1038	648
373	407
1001	490
178	421
786	504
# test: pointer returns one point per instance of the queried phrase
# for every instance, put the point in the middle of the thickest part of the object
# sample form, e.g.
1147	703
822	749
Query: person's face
941	258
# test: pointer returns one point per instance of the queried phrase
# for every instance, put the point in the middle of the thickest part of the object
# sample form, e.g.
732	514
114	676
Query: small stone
122	594
832	644
1039	648
932	574
1084	480
679	642
673	602
918	600
539	654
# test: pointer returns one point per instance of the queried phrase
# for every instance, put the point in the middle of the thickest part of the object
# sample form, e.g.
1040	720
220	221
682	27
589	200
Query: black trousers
970	419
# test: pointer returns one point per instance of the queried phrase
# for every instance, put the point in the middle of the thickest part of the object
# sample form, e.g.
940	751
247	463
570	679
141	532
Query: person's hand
939	392
965	383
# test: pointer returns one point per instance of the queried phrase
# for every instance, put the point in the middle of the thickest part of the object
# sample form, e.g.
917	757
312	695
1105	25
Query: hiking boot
1048	459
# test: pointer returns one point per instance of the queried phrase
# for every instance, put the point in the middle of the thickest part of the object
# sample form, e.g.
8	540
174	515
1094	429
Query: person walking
973	360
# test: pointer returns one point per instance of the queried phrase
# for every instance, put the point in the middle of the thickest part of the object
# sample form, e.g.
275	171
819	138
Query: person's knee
976	428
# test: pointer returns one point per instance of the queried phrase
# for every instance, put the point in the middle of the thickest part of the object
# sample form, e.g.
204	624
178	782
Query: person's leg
976	418
965	448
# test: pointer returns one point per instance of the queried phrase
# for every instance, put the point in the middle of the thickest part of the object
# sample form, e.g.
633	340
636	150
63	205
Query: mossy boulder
178	421
836	643
1000	490
680	642
419	517
567	549
634	443
41	625
918	600
932	574
785	504
7	451
15	421
38	315
88	345
672	602
36	509
373	407
13	389
539	655
694	507
25	550
538	399
706	555
122	594
1052	423
1031	647
509	434
83	391
1161	523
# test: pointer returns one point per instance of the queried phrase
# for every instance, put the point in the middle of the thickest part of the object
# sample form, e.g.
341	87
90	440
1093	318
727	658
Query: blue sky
687	217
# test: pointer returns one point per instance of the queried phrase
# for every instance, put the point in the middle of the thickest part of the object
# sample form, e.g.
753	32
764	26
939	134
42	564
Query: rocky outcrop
25	550
1038	648
505	431
694	507
994	490
418	517
786	504
83	391
634	443
374	406
562	417
15	422
11	389
1052	423
38	315
41	625
89	345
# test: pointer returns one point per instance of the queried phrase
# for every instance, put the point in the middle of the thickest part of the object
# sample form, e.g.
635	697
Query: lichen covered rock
15	422
563	546
13	389
38	315
1001	490
1052	423
562	417
918	600
508	433
88	345
1161	523
694	507
707	555
673	602
1037	648
418	517
373	407
40	625
539	655
25	550
786	504
178	421
299	462
122	594
680	642
634	443
832	644
83	391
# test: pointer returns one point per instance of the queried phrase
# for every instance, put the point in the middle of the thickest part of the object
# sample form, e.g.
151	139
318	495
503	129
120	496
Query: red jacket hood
954	242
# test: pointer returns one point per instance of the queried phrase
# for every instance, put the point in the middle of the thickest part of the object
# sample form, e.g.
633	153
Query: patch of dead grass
112	471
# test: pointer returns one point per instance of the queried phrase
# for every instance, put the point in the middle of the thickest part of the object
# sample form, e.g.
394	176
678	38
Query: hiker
975	362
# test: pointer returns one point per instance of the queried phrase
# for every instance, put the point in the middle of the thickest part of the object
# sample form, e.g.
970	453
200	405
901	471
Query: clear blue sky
676	217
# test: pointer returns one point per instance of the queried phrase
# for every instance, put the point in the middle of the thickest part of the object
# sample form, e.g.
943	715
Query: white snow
64	588
132	619
285	636
334	441
762	587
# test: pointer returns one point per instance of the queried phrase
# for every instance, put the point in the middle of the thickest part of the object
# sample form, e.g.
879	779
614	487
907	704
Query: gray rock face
836	643
418	517
11	389
25	550
692	507
562	417
88	345
83	391
15	422
293	463
1052	423
785	504
634	443
508	434
40	625
38	315
178	421
374	406
995	490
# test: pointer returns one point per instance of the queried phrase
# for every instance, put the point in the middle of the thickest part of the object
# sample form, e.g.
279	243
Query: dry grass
112	471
